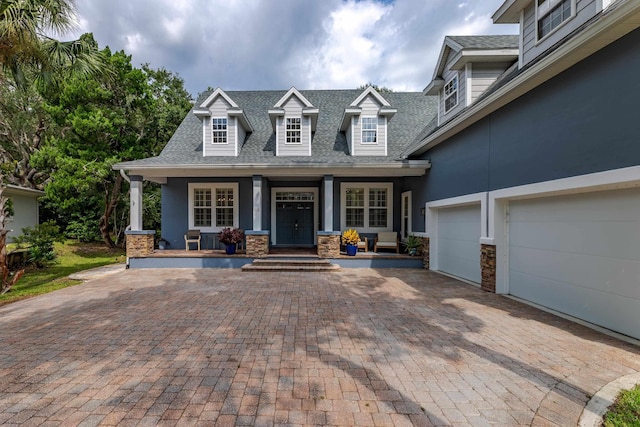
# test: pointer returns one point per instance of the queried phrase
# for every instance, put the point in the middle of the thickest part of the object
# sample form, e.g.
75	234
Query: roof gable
215	94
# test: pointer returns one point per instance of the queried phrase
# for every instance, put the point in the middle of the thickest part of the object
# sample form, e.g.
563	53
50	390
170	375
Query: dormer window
451	94
369	130
552	13
219	126
293	130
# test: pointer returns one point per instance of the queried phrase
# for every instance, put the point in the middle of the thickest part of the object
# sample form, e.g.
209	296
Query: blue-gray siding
175	206
574	124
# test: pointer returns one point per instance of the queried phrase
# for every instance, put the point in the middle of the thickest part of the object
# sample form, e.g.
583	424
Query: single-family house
25	210
519	164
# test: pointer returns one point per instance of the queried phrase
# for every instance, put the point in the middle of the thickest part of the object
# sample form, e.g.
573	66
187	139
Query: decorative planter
230	249
413	251
352	250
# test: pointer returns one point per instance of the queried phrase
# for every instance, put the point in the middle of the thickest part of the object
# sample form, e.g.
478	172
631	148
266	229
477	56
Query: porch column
328	203
135	215
257	202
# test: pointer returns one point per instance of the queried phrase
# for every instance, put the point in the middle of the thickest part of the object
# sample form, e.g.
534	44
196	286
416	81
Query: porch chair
363	244
192	236
387	240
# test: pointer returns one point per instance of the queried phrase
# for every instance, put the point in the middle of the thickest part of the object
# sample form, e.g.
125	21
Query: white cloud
251	44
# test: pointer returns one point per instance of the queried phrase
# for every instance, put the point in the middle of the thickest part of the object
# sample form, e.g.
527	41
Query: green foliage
72	257
626	409
379	89
129	116
40	240
85	230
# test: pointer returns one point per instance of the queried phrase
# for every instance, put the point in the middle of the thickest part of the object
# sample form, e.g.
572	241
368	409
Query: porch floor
273	253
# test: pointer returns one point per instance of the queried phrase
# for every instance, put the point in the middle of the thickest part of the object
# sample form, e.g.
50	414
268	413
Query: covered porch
300	211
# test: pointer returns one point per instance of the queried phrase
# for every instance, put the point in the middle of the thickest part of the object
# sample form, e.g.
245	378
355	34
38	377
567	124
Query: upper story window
219	126
552	13
451	94
293	130
369	130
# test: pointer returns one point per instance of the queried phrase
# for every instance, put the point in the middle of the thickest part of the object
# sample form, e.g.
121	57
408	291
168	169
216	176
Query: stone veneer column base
488	267
257	244
328	244
140	243
425	252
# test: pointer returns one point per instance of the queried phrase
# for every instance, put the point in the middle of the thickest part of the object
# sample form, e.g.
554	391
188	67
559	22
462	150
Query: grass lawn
626	409
72	257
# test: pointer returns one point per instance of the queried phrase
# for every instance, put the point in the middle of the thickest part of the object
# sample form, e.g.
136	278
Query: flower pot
413	251
352	250
230	249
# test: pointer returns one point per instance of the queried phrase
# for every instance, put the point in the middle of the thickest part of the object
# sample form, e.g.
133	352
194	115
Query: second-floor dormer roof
457	51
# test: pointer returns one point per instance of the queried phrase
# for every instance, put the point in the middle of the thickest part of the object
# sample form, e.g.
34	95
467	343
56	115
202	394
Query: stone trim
488	267
425	252
140	244
257	244
329	245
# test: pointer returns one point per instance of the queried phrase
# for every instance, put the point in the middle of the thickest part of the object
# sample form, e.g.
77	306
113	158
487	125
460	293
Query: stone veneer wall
425	253
139	245
257	245
328	246
488	267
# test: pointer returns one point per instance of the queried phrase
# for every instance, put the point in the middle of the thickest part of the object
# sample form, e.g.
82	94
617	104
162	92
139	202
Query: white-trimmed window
369	130
552	13
293	130
451	94
213	206
367	207
219	126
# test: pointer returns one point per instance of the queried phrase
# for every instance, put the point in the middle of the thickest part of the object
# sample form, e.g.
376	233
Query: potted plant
163	243
350	238
412	244
231	237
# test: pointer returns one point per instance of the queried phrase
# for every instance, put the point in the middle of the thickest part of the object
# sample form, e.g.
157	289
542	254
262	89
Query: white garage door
459	242
580	255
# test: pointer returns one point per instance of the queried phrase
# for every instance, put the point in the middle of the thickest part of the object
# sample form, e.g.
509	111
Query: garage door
580	255
459	242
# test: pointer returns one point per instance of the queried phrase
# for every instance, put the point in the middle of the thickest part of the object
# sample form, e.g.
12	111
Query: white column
257	202
328	203
135	218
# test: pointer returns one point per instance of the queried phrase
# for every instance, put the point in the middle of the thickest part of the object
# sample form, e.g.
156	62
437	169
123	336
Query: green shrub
84	231
40	240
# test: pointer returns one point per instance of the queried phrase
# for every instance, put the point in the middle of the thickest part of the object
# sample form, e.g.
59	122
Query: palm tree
26	27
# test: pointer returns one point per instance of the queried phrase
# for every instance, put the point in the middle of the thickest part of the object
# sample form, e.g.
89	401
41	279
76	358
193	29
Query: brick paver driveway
356	347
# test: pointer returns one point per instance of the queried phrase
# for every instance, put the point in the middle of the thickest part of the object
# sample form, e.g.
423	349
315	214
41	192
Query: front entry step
291	265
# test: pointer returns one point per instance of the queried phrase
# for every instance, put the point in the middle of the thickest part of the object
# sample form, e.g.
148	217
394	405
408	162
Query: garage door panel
589	306
598	238
458	242
618	276
579	254
580	207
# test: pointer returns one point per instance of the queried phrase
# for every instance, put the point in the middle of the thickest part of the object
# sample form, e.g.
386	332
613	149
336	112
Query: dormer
466	67
294	120
224	125
545	23
364	123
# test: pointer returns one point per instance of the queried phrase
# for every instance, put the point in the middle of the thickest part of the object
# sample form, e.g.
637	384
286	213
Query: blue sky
276	44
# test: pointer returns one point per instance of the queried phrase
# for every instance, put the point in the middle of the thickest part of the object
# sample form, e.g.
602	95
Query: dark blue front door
294	223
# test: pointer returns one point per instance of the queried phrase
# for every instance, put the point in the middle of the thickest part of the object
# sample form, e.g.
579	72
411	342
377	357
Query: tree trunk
110	203
6	282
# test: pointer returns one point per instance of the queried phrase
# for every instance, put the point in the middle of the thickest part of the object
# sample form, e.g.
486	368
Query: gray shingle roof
487	42
329	146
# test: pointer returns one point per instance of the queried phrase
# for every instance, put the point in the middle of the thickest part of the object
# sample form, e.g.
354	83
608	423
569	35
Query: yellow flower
350	237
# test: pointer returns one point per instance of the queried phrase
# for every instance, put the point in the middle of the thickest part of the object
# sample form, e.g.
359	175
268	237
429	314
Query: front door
294	223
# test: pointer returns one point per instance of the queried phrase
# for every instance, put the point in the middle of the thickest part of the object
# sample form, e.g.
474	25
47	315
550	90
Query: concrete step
291	265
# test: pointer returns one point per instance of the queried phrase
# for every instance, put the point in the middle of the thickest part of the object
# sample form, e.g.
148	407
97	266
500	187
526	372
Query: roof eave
484	56
509	12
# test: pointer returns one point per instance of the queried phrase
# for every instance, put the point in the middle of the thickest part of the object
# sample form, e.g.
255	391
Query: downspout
126	178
